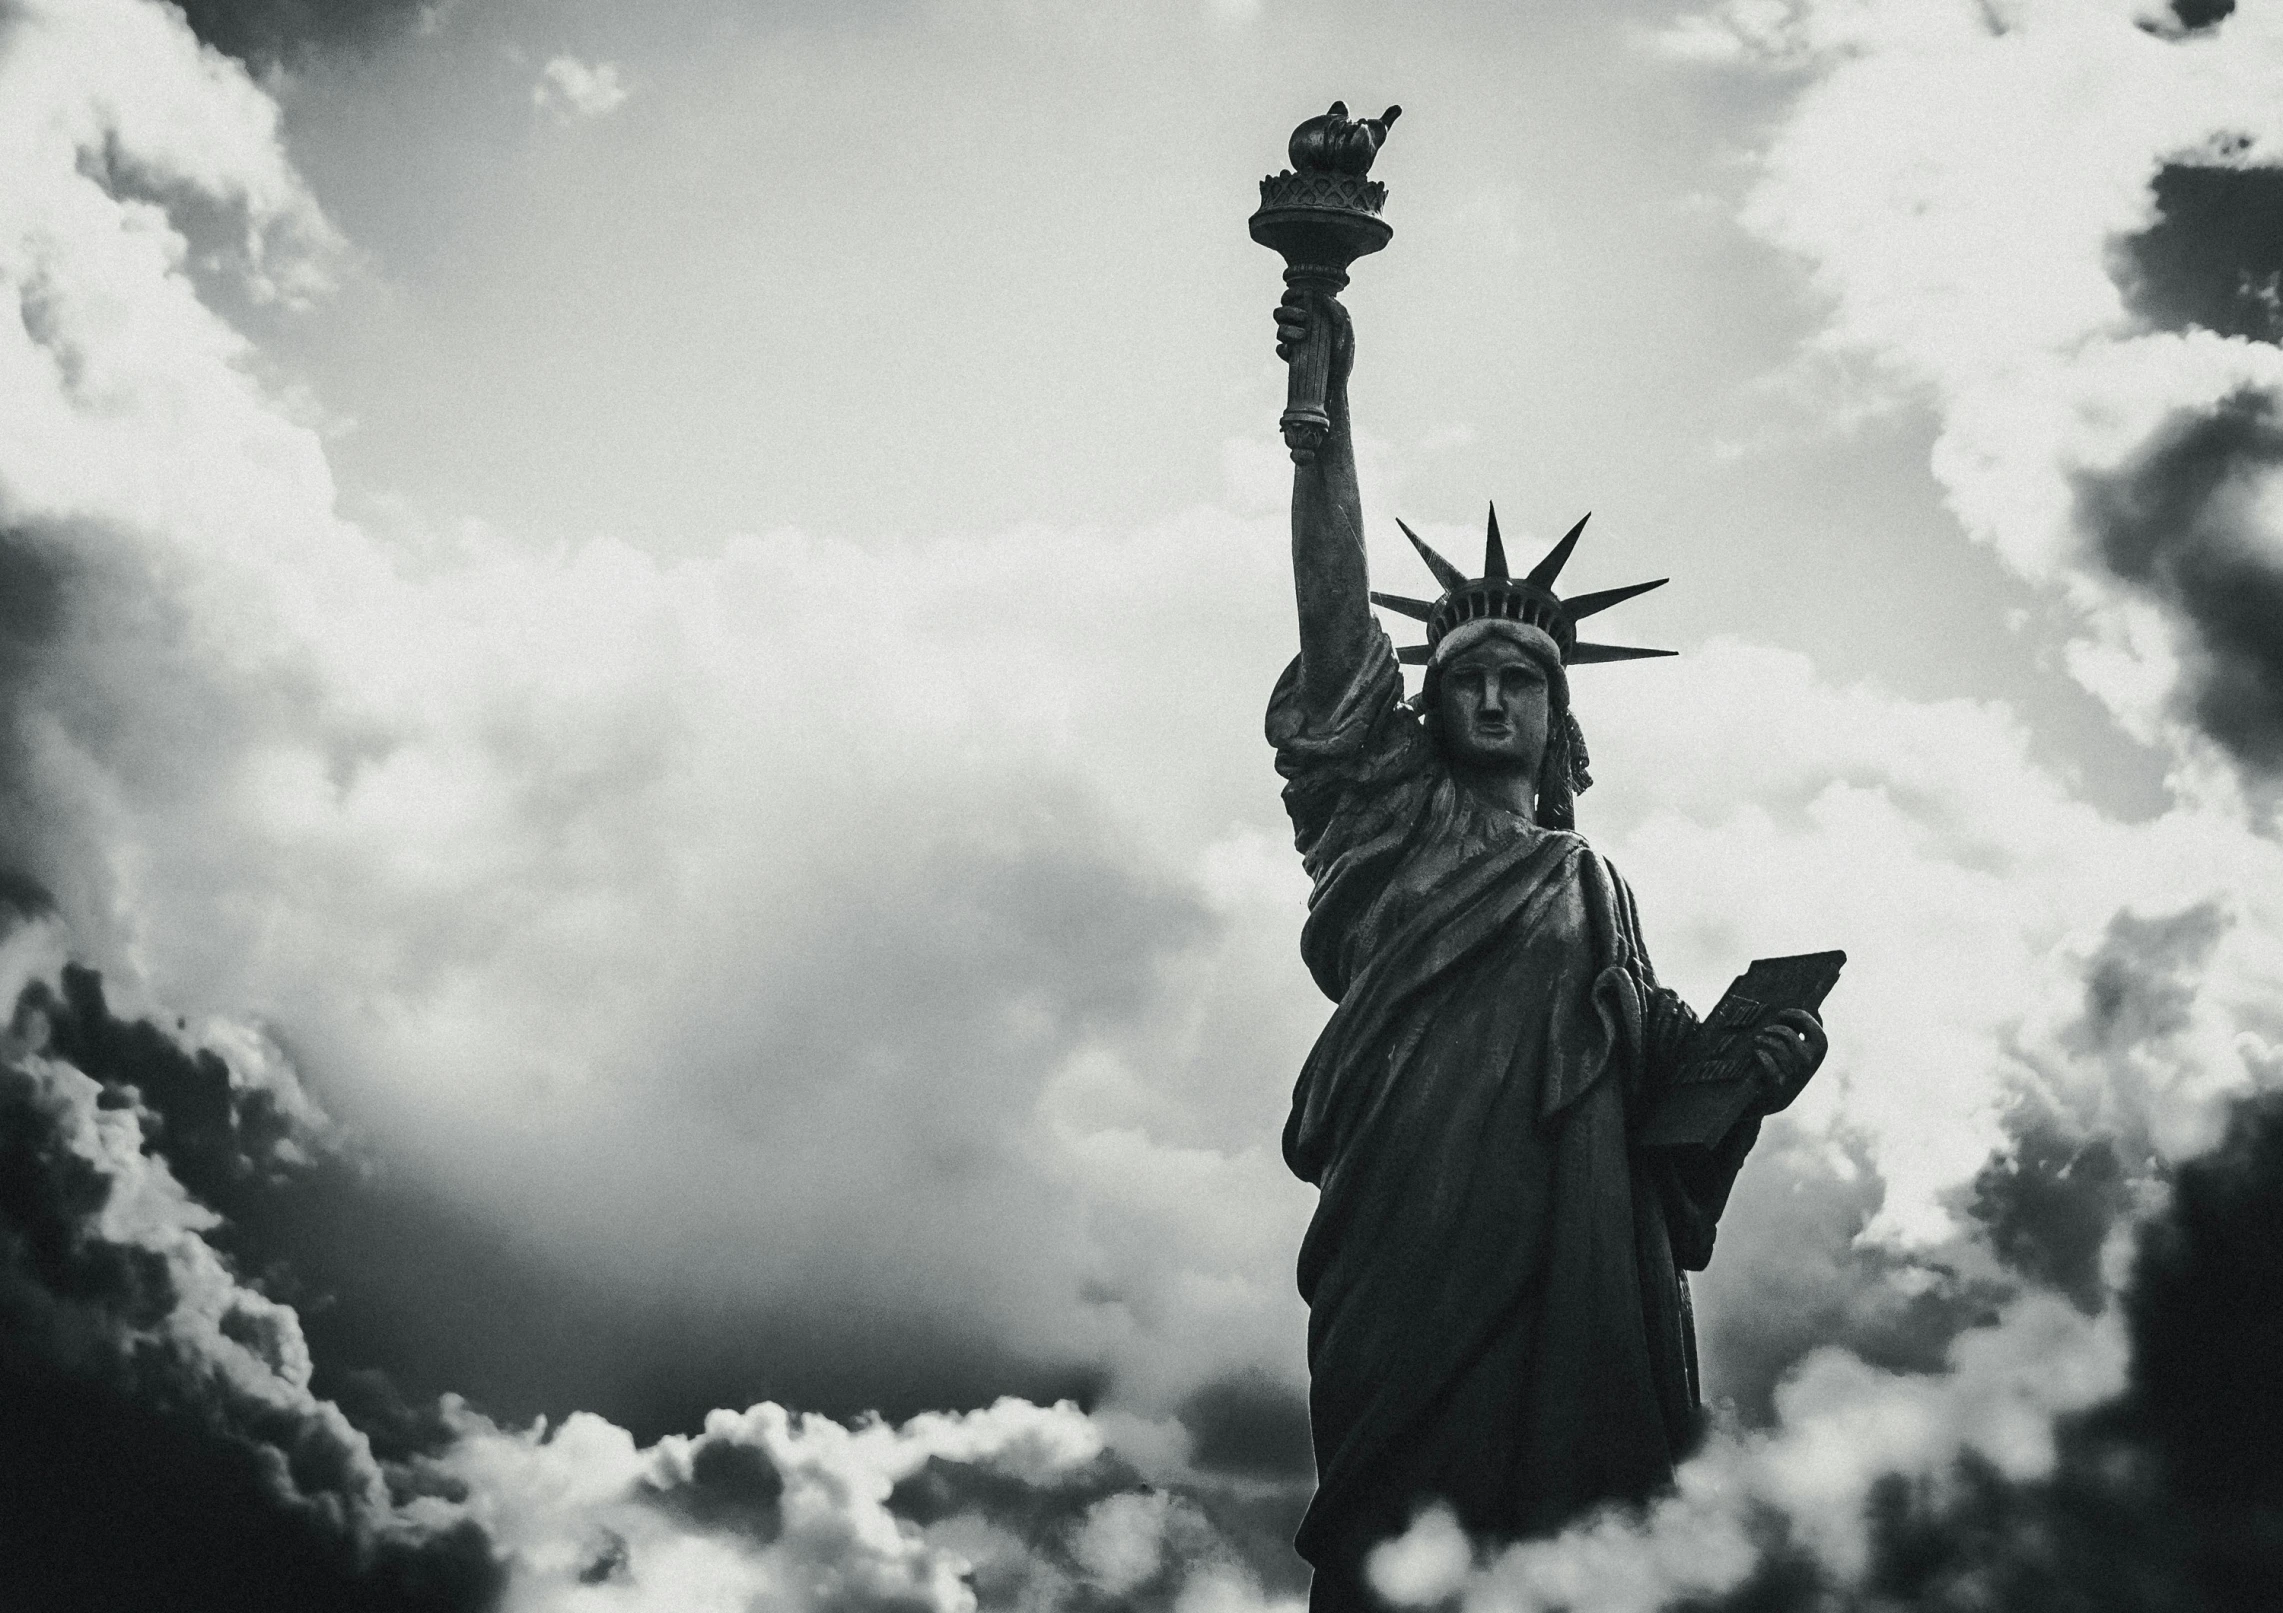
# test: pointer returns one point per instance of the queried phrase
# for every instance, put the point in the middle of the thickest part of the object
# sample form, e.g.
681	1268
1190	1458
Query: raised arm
1327	522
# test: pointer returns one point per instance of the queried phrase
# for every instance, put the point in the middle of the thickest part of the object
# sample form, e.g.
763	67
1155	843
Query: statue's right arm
1328	571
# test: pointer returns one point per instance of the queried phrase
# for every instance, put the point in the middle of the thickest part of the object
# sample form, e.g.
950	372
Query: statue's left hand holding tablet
1788	1049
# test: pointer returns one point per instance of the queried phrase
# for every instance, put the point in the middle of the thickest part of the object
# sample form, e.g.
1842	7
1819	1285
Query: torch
1322	214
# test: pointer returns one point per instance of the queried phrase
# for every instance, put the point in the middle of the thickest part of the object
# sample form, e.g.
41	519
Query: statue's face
1492	705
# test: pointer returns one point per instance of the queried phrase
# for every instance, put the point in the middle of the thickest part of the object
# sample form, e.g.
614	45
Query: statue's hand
1788	1050
1298	311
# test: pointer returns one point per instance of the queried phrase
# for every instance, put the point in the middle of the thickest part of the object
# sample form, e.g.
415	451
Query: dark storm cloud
399	1427
945	1488
2182	523
31	601
2206	1310
2172	1495
22	898
33	577
287	31
2186	19
2168	1497
228	1146
1249	1424
1043	1516
2141	982
2048	1199
2214	256
1795	1275
2200	14
136	1469
732	1484
2047	1203
118	1491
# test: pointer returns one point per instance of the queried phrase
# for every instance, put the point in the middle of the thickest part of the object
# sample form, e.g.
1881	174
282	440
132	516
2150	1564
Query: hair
1562	775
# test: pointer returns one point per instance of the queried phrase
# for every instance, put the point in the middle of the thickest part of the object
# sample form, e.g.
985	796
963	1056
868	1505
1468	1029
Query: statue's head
1498	648
1493	696
1496	700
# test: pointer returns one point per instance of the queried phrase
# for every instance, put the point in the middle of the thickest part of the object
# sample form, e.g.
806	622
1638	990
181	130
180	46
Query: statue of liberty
1495	1274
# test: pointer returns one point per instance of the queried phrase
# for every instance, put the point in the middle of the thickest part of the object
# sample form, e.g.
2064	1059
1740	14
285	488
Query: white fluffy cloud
571	89
586	1518
1971	253
1966	882
1958	179
1843	1426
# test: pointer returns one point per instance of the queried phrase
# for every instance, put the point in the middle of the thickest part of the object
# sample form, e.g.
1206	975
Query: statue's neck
1511	791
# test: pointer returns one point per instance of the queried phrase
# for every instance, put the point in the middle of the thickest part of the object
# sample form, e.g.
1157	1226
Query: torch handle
1305	418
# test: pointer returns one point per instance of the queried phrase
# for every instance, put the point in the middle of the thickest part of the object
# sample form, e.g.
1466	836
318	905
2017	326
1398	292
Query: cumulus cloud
2190	520
2077	1164
1013	1505
1967	882
2052	266
130	1346
572	89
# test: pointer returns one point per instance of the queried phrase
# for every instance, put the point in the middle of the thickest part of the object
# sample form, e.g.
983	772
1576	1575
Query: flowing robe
1497	1313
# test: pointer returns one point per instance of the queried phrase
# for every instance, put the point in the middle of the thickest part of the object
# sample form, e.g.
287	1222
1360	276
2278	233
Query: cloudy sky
634	639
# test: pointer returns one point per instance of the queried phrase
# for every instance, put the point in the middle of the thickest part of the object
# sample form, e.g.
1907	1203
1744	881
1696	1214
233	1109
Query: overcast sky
668	608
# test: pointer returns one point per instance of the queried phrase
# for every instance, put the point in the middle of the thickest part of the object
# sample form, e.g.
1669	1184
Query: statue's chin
1495	759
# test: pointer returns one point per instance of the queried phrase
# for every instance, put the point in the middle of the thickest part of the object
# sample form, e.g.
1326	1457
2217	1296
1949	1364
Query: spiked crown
1530	599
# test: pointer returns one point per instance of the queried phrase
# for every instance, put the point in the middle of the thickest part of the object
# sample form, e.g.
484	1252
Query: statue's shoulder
1591	865
1370	726
1567	844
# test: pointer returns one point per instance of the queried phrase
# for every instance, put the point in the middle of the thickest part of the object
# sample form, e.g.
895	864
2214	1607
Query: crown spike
1587	654
1445	573
1584	605
1493	552
1417	609
1546	570
1415	654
